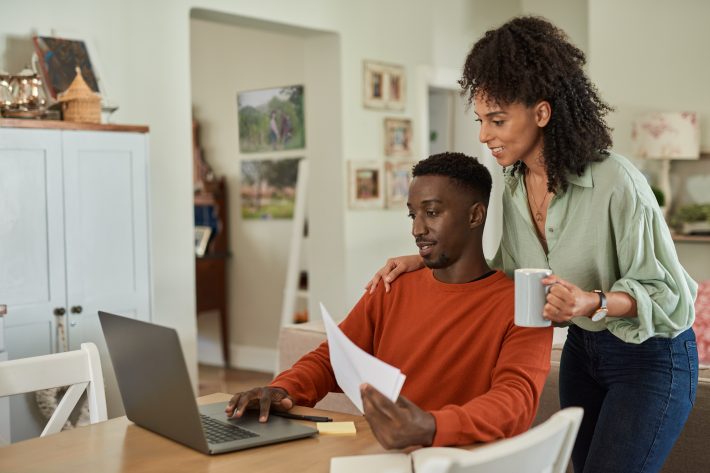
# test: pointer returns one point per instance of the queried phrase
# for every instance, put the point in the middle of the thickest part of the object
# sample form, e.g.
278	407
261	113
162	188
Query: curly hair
526	60
463	170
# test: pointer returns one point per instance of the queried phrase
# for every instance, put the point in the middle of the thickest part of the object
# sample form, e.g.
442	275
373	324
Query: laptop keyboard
220	432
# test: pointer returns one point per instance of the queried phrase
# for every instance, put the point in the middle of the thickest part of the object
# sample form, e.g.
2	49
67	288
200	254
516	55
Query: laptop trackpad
274	427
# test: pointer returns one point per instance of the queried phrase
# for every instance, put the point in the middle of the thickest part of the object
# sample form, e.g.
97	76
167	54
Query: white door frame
447	78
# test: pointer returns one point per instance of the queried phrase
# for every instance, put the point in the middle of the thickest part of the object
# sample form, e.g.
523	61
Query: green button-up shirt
605	232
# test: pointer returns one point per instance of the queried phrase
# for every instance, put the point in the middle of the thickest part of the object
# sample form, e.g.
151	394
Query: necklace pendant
538	217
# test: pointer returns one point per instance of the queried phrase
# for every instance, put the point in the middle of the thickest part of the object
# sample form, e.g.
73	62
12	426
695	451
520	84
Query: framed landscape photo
398	137
366	185
271	119
398	176
202	238
268	188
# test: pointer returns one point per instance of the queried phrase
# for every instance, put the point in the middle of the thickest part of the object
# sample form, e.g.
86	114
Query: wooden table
118	445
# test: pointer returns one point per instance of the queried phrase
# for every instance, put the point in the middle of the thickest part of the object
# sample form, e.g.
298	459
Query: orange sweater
480	375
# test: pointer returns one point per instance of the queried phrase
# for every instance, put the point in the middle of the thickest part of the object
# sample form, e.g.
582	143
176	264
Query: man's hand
397	425
263	397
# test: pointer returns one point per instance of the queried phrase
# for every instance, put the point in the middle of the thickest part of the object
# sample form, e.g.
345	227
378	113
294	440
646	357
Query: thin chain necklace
538	212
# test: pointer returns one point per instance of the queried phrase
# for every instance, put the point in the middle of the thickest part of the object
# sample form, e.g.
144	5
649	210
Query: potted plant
693	219
660	198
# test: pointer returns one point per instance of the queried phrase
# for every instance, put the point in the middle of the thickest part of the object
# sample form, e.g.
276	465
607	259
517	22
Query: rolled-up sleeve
650	270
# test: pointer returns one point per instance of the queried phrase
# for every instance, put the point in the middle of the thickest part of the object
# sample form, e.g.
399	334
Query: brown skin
398	424
263	397
513	132
448	228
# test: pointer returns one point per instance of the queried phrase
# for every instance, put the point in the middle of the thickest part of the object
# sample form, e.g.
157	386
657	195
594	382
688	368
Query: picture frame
268	188
202	238
271	119
398	176
374	85
398	137
396	88
384	86
57	59
366	184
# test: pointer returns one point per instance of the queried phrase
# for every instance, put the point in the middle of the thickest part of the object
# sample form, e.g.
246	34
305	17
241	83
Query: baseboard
209	352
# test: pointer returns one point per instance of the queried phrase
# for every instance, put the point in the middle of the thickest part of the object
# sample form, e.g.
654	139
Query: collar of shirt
585	180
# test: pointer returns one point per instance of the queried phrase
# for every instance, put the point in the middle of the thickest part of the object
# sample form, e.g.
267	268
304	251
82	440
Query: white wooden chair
544	448
79	369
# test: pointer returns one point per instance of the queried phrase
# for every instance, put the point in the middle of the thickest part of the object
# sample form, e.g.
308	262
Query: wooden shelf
62	125
691	238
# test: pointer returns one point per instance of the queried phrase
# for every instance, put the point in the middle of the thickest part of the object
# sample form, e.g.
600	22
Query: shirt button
550	229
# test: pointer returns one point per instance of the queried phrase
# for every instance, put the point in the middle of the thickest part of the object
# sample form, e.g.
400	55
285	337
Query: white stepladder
293	295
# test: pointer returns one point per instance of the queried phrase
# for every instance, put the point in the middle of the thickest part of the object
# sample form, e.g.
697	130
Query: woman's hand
565	300
392	269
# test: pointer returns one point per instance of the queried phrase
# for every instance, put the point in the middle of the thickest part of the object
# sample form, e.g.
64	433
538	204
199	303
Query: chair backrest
79	369
545	448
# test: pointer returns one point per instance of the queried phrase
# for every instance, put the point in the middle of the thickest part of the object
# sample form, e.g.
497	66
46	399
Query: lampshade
666	135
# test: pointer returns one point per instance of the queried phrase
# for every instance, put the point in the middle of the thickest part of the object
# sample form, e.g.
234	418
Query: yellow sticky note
336	428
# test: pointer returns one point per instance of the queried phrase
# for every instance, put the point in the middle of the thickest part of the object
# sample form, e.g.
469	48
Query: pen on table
290	415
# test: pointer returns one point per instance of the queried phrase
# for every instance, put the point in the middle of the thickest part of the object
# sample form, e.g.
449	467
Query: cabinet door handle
76	309
59	311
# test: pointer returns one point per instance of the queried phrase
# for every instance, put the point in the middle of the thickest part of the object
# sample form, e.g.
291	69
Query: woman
586	213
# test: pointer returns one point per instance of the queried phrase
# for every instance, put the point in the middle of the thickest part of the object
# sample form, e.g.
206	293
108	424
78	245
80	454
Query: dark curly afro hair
526	60
463	170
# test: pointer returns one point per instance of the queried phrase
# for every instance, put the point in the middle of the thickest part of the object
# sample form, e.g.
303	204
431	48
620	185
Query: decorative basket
79	102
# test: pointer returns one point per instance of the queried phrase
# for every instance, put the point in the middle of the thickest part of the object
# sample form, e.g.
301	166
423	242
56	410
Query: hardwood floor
213	379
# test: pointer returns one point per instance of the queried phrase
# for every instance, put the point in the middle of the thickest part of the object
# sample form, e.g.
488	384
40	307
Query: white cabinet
73	240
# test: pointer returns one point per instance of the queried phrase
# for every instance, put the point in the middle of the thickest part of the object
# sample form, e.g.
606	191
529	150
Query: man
472	375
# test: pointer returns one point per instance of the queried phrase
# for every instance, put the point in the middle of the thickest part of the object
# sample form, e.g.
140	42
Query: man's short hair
463	170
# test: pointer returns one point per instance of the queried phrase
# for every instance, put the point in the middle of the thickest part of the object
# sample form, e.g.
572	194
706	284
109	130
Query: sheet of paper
384	462
353	366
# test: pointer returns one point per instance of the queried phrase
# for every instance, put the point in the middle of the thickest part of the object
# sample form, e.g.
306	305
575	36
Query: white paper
353	366
430	459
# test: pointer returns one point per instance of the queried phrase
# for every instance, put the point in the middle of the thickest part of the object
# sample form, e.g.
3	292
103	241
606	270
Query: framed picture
268	188
396	88
58	59
374	80
384	86
271	119
398	176
398	137
366	184
202	238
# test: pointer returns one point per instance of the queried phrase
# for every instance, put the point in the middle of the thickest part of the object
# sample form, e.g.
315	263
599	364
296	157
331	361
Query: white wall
230	55
143	48
639	55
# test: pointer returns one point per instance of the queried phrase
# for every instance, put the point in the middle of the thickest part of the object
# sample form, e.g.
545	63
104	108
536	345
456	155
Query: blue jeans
636	398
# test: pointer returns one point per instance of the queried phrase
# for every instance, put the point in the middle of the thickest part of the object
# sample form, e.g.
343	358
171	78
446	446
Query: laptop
157	395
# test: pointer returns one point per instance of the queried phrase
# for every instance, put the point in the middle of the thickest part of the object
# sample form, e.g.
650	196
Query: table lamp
666	136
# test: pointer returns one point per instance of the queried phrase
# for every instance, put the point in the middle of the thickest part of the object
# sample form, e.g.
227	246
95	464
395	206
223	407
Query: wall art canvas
268	188
58	59
271	119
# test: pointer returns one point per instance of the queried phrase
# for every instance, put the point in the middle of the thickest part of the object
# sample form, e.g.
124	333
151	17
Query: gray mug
530	297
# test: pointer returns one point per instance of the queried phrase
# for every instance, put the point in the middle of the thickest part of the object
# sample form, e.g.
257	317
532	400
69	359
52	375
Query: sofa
691	453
